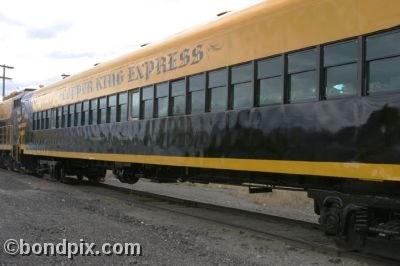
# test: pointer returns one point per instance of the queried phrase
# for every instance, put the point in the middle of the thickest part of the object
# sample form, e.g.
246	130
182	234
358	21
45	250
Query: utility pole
4	78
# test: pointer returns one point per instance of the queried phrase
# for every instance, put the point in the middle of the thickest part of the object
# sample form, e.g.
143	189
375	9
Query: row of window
102	110
323	72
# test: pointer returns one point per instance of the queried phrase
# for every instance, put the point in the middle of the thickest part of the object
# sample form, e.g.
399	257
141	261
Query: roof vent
223	13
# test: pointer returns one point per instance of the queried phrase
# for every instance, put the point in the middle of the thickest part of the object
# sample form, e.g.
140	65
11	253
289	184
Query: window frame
189	94
358	62
209	90
166	97
184	95
366	62
231	87
316	69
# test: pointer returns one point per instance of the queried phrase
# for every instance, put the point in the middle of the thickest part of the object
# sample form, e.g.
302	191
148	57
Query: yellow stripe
5	147
372	172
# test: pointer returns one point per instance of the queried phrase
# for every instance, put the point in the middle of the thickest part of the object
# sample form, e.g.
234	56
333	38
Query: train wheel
352	239
58	173
330	219
94	179
62	175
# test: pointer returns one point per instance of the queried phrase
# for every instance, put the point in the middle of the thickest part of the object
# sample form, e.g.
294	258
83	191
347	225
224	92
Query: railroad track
297	233
300	234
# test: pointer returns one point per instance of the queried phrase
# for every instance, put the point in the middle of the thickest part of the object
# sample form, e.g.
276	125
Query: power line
4	78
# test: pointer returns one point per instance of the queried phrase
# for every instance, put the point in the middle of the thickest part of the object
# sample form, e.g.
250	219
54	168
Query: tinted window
123	98
302	78
178	92
147	109
197	82
340	53
242	73
196	94
218	99
59	117
162	90
135	104
112	100
270	91
162	99
270	67
384	75
85	113
147	101
341	80
302	61
102	102
112	109
78	117
383	55
178	87
217	78
102	111
302	86
242	95
196	100
93	112
340	72
147	93
383	45
122	108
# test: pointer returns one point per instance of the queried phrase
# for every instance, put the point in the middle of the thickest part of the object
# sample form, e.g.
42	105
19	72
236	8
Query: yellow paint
5	109
5	147
269	28
371	172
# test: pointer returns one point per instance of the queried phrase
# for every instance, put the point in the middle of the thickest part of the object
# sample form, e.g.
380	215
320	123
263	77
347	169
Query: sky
44	39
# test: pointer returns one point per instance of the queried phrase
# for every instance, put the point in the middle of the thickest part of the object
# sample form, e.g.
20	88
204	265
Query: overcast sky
43	39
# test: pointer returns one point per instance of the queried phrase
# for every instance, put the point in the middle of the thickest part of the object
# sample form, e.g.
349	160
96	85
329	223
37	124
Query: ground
39	210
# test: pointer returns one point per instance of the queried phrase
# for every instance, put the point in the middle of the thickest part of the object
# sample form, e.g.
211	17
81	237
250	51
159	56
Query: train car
6	133
287	93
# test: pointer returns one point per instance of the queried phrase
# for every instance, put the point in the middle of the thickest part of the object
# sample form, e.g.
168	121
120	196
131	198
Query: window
162	99
47	119
85	113
135	104
78	114
270	83
340	69
53	118
93	112
196	94
43	120
147	102
71	115
34	121
102	111
122	110
178	92
59	117
112	109
383	62
302	78
64	117
242	86
218	91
